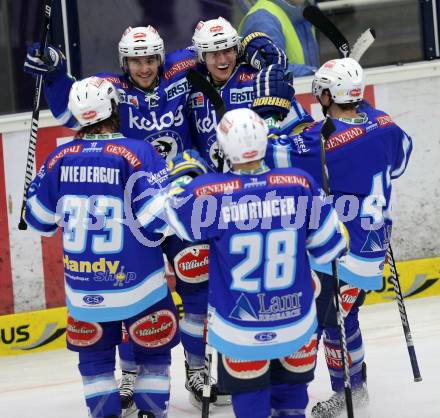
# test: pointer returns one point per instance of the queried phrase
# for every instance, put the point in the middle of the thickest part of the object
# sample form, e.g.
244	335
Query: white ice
48	385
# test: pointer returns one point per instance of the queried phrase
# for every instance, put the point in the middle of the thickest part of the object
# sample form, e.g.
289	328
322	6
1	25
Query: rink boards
31	269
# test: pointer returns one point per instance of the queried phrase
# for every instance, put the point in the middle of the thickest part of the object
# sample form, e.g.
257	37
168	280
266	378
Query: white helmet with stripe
242	136
140	42
214	35
343	77
90	100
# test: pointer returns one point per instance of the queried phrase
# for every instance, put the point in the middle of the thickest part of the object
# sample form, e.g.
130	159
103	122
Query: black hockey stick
326	130
201	83
206	395
403	316
30	163
317	18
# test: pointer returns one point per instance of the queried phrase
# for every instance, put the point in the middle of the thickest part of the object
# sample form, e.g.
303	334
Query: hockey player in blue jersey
364	154
220	57
261	313
152	86
82	187
153	90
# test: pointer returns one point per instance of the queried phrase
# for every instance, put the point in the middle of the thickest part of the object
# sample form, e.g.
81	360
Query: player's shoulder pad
116	79
70	148
177	64
289	177
244	74
378	116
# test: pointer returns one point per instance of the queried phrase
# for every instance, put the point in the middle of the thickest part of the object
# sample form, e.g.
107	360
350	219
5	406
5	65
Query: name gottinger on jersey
258	209
89	174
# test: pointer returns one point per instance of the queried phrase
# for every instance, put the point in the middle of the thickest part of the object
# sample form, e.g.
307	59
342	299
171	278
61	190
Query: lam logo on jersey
191	264
83	334
154	330
243	310
373	243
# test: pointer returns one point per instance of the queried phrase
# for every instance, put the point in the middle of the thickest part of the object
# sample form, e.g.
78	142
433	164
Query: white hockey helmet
214	35
90	100
345	79
242	136
140	42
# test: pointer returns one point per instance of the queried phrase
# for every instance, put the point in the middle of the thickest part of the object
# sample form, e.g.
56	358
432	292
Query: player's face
143	70
221	64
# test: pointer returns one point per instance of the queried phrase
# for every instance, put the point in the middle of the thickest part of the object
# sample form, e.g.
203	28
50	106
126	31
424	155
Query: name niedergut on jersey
89	174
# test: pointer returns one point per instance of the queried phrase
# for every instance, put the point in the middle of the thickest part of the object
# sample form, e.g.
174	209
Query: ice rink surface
48	385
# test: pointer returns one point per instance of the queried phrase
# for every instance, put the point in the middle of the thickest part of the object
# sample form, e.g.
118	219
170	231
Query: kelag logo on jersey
191	264
243	95
207	123
177	89
155	122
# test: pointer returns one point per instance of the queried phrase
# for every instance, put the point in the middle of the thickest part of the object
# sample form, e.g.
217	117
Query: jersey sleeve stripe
324	232
42	214
406	145
150	210
41	230
175	223
281	156
330	255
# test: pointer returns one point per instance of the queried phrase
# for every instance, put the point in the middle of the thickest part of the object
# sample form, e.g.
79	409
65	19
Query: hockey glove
260	51
185	166
49	66
273	92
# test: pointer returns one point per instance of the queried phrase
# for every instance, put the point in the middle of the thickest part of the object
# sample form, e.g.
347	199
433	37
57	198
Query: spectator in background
283	22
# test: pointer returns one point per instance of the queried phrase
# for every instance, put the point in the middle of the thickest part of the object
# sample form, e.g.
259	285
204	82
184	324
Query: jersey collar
260	170
358	120
97	137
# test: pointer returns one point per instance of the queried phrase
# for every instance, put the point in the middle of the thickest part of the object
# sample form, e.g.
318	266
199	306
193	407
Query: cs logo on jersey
93	299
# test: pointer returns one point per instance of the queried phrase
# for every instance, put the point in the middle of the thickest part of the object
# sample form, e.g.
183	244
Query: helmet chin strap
325	108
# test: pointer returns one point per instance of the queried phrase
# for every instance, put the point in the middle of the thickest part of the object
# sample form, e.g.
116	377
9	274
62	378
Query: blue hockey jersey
158	116
237	92
104	192
363	156
260	229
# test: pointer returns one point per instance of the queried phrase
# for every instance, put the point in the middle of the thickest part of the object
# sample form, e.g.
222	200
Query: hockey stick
201	83
197	80
206	395
403	315
47	12
363	43
317	18
326	130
